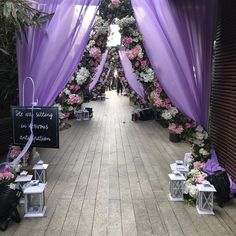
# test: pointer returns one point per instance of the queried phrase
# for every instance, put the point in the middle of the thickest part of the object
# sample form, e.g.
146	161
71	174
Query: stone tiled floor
109	177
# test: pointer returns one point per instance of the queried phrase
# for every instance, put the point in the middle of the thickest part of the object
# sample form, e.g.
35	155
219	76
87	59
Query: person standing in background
119	85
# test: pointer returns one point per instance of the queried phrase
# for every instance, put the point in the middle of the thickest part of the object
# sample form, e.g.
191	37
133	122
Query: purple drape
129	73
50	55
178	40
99	71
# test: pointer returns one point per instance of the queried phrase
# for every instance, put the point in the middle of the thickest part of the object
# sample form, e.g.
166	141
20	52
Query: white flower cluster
90	44
82	75
58	105
147	76
101	26
200	135
125	21
194	176
190	189
66	91
203	152
170	113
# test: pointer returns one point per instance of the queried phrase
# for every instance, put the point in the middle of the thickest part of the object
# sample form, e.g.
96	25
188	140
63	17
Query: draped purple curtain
129	73
50	55
178	40
99	71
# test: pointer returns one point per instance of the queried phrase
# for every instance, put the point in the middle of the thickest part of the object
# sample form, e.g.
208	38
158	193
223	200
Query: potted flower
175	132
9	196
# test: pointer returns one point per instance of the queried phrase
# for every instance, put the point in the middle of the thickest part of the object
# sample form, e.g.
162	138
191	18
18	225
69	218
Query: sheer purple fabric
129	73
50	55
178	40
99	71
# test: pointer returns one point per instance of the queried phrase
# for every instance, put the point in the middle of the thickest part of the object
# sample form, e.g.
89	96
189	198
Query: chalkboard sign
45	126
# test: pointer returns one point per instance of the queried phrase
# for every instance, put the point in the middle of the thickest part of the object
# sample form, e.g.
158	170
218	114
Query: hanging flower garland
71	98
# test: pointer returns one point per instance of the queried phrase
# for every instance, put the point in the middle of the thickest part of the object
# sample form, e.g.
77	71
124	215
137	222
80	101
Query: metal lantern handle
33	93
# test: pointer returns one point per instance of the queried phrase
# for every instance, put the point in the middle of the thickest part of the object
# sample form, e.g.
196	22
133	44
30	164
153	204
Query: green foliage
108	12
15	15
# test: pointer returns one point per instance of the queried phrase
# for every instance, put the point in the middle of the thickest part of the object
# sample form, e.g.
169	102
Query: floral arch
71	97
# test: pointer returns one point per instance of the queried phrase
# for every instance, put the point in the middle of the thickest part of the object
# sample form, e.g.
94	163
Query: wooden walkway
109	177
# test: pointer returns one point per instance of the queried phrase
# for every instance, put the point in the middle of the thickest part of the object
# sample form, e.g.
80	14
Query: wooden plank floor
109	177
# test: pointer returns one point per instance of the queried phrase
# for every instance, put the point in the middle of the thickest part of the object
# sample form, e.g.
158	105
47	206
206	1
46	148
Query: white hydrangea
147	76
101	26
90	44
199	136
193	191
173	111
205	135
59	106
140	55
70	108
82	75
199	128
166	115
126	21
66	91
203	152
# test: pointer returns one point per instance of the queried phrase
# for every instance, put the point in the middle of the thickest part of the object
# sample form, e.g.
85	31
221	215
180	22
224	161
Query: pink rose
159	90
136	64
168	106
199	179
198	165
91	63
95	52
72	87
179	129
74	99
143	63
172	127
156	84
187	126
167	100
115	3
158	102
127	40
77	87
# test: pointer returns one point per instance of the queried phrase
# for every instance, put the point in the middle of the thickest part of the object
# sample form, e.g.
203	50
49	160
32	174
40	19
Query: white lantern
35	200
85	114
205	198
40	172
187	159
179	167
21	180
176	186
79	115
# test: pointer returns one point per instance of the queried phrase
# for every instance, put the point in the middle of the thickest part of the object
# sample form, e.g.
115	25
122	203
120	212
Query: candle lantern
179	167
205	198
187	159
79	115
23	179
176	190
85	114
35	200
40	172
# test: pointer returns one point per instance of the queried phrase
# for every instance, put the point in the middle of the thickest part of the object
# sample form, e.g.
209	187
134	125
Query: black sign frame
48	137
